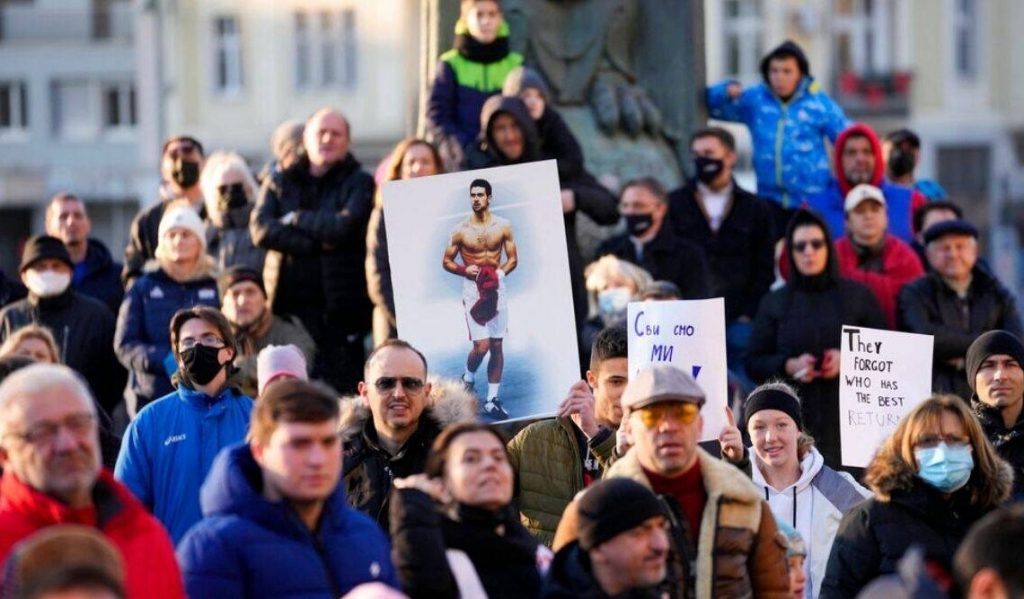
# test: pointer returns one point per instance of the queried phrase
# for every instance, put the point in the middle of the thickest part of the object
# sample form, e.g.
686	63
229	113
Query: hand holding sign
730	438
830	364
801	368
579	405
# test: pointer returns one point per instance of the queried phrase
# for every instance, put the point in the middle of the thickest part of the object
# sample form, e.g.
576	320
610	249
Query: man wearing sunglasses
389	427
724	540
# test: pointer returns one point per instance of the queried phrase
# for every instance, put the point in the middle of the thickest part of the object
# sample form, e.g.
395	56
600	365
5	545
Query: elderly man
180	164
94	273
870	255
724	538
49	450
955	302
312	217
389	428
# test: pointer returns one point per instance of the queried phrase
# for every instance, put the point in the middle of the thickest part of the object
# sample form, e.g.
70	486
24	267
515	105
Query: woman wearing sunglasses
932	479
454	529
796	331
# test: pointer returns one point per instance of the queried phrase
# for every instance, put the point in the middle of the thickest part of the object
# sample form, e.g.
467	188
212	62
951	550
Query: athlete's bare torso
480	242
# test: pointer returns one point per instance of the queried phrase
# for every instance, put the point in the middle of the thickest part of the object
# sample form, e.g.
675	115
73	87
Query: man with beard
244	304
480	240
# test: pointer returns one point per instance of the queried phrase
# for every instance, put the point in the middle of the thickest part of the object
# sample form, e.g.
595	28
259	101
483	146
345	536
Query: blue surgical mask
945	467
612	302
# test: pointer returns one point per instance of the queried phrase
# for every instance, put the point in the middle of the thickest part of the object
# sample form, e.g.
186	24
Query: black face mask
707	169
900	163
638	224
185	173
200	363
231	196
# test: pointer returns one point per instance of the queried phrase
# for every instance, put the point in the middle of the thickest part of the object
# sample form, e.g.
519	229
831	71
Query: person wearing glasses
932	478
181	163
722	533
797	329
49	449
169	447
389	427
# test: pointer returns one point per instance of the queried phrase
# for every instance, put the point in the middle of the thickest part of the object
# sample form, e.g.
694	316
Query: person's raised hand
431	486
802	368
734	90
830	364
579	405
730	438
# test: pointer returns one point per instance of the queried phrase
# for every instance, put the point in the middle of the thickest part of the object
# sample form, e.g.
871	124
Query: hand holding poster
690	335
882	376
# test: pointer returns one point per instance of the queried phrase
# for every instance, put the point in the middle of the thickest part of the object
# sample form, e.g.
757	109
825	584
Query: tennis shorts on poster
690	335
481	282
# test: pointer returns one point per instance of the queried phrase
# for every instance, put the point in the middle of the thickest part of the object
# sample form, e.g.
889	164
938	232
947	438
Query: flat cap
658	383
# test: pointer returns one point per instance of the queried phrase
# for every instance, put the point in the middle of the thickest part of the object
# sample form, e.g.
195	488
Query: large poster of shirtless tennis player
481	283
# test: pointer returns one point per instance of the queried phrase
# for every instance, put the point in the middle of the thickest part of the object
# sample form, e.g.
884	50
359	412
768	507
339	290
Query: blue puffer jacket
790	158
170	446
142	338
249	547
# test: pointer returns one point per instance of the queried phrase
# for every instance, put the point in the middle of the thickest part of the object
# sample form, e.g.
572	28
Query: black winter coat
931	307
102	277
84	330
1009	442
667	257
231	244
11	290
874	535
570	577
315	268
741	254
506	564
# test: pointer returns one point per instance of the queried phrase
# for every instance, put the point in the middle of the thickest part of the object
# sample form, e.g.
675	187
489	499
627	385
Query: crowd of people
208	419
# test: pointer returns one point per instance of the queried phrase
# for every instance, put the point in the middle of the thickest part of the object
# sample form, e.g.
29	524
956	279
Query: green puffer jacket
549	473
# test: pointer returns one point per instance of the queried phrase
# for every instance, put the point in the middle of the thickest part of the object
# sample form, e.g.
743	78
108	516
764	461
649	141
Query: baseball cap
863	192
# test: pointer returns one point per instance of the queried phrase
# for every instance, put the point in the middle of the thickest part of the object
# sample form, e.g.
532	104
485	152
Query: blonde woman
32	341
229	190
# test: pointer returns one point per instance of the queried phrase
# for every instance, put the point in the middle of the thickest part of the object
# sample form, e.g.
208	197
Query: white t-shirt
715	203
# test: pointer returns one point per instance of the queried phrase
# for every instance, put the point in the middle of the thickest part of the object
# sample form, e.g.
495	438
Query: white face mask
47	283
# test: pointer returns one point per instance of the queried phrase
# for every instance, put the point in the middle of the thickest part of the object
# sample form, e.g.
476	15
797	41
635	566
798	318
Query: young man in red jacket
868	254
49	450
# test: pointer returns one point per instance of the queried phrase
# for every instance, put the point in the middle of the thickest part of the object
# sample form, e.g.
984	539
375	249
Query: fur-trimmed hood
449	402
889	475
720	479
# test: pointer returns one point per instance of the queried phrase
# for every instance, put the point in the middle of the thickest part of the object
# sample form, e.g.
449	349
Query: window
227	55
863	35
741	29
13	106
74	110
119	105
965	23
325	49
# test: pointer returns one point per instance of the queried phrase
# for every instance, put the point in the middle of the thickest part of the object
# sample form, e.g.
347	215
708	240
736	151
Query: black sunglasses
815	244
409	383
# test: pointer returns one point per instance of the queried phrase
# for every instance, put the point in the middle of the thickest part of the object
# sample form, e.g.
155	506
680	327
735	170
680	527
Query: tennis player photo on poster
481	282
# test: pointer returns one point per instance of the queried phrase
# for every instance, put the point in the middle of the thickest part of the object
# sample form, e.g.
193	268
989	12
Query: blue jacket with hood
790	157
170	446
248	546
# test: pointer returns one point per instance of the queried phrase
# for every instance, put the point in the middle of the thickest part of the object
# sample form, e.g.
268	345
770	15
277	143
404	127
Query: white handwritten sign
690	335
882	376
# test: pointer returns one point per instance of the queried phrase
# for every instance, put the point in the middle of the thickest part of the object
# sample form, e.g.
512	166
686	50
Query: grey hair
36	379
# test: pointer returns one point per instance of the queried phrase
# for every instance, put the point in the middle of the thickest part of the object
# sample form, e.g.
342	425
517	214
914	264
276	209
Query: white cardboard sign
882	376
690	335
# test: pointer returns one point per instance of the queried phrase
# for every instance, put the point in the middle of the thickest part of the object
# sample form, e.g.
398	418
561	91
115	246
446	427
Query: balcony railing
26	23
875	94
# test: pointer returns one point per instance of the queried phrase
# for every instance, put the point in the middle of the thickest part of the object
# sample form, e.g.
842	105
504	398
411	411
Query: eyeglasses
684	413
43	433
209	340
931	441
388	383
816	244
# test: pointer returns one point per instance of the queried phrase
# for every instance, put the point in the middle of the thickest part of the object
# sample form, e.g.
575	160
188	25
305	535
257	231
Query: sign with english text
690	335
882	376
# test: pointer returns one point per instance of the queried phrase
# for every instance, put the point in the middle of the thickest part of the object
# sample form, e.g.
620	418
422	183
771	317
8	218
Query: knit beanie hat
41	247
185	217
795	544
990	344
521	78
237	274
610	507
772	399
275	361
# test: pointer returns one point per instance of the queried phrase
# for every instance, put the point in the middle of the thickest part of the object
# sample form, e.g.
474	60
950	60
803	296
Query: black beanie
237	274
772	399
990	344
610	507
44	246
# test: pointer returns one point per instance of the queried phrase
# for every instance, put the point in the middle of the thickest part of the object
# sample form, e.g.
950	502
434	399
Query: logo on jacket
375	569
156	293
174	439
207	294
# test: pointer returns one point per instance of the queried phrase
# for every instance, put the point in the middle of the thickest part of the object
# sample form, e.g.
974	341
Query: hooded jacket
169	448
84	331
814	506
904	511
790	157
900	266
900	202
465	77
806	316
1008	442
242	532
100	276
151	571
369	469
142	338
484	153
740	552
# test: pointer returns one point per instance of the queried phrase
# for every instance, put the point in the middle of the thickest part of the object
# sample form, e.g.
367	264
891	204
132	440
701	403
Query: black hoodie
787	49
484	153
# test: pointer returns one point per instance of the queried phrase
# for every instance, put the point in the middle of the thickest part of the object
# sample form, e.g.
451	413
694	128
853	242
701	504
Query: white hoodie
813	505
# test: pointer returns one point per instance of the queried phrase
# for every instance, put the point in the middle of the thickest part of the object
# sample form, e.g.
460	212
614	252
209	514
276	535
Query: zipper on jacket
780	127
321	552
